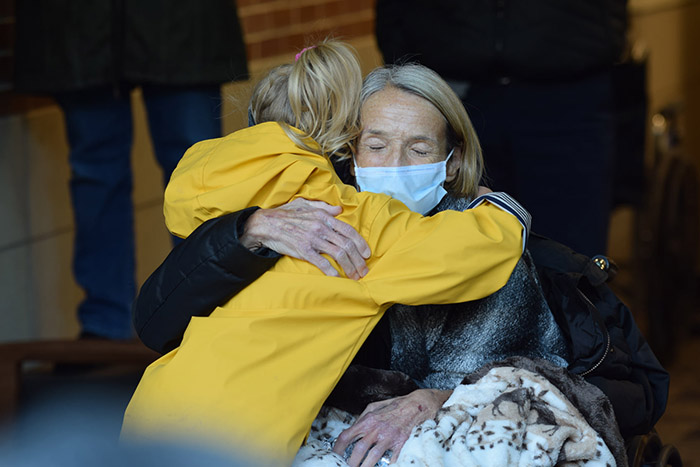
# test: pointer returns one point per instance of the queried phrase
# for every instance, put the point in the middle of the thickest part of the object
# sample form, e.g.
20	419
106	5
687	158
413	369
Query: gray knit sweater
437	345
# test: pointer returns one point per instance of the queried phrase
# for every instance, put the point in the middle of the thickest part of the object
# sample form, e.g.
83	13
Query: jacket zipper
607	344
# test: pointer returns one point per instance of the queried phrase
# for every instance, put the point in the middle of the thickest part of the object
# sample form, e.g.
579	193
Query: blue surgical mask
419	187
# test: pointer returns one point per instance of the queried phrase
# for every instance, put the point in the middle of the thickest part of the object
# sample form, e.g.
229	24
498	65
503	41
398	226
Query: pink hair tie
296	58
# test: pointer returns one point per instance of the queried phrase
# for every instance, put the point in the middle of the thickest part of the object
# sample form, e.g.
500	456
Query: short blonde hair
318	94
423	82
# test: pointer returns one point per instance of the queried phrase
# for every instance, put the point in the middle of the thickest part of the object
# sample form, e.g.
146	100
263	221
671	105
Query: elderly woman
413	146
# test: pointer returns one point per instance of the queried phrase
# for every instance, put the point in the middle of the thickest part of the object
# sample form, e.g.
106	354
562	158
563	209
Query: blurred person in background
89	55
535	78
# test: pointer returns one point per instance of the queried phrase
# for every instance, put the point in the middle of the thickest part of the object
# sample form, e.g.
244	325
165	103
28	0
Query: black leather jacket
201	273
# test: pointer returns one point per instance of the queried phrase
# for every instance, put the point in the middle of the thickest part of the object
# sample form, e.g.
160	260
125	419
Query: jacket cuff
508	204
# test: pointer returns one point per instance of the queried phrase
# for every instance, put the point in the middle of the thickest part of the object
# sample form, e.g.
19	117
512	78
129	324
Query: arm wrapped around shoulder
451	257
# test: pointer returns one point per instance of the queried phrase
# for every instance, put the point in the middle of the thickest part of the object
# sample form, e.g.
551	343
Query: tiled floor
680	425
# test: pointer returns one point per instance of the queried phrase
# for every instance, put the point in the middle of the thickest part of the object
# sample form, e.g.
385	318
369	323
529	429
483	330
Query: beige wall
668	30
38	296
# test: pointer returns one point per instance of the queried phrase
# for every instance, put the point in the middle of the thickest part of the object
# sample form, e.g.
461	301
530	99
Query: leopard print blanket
510	416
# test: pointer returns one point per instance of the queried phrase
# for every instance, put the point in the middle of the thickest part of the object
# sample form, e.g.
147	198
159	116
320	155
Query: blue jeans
99	126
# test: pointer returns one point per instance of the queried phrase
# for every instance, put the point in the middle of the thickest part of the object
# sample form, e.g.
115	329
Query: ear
454	164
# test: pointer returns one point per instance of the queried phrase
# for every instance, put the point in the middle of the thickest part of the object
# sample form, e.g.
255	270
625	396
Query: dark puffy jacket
487	39
201	273
606	346
69	45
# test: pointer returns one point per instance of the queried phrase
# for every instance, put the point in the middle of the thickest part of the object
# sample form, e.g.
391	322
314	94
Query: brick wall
274	27
271	28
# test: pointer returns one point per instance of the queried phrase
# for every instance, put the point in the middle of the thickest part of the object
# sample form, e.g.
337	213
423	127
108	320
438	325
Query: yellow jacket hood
256	166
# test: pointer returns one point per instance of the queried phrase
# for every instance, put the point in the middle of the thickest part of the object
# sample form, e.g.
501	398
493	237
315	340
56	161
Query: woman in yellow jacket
253	375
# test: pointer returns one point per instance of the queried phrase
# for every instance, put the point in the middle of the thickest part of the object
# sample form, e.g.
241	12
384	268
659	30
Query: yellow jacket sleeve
450	257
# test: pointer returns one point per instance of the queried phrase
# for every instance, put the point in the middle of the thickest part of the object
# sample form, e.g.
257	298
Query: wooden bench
82	351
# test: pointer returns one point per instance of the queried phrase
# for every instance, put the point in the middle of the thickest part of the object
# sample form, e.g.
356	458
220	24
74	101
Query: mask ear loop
447	159
251	120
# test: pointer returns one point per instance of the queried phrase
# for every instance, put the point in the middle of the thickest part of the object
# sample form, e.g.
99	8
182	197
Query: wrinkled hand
305	229
386	425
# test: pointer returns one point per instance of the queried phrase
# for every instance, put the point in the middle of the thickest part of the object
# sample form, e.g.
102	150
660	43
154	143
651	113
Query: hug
347	292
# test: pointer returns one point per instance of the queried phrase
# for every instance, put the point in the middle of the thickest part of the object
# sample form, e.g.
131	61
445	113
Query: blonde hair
318	94
423	82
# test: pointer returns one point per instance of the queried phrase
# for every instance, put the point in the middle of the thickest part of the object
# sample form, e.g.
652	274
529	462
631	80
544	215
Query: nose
395	157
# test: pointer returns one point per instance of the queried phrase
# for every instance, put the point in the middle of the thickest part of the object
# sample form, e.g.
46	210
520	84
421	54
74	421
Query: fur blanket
510	416
507	415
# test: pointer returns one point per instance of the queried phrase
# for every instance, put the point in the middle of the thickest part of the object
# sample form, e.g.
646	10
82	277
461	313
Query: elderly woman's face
401	129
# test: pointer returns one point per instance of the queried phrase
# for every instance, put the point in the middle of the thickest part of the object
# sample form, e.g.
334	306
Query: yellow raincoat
255	373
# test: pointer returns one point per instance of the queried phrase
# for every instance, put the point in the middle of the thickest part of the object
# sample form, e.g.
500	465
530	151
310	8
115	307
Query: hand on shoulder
305	230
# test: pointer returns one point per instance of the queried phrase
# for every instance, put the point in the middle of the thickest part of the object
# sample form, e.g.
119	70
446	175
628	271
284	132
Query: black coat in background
71	45
485	40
